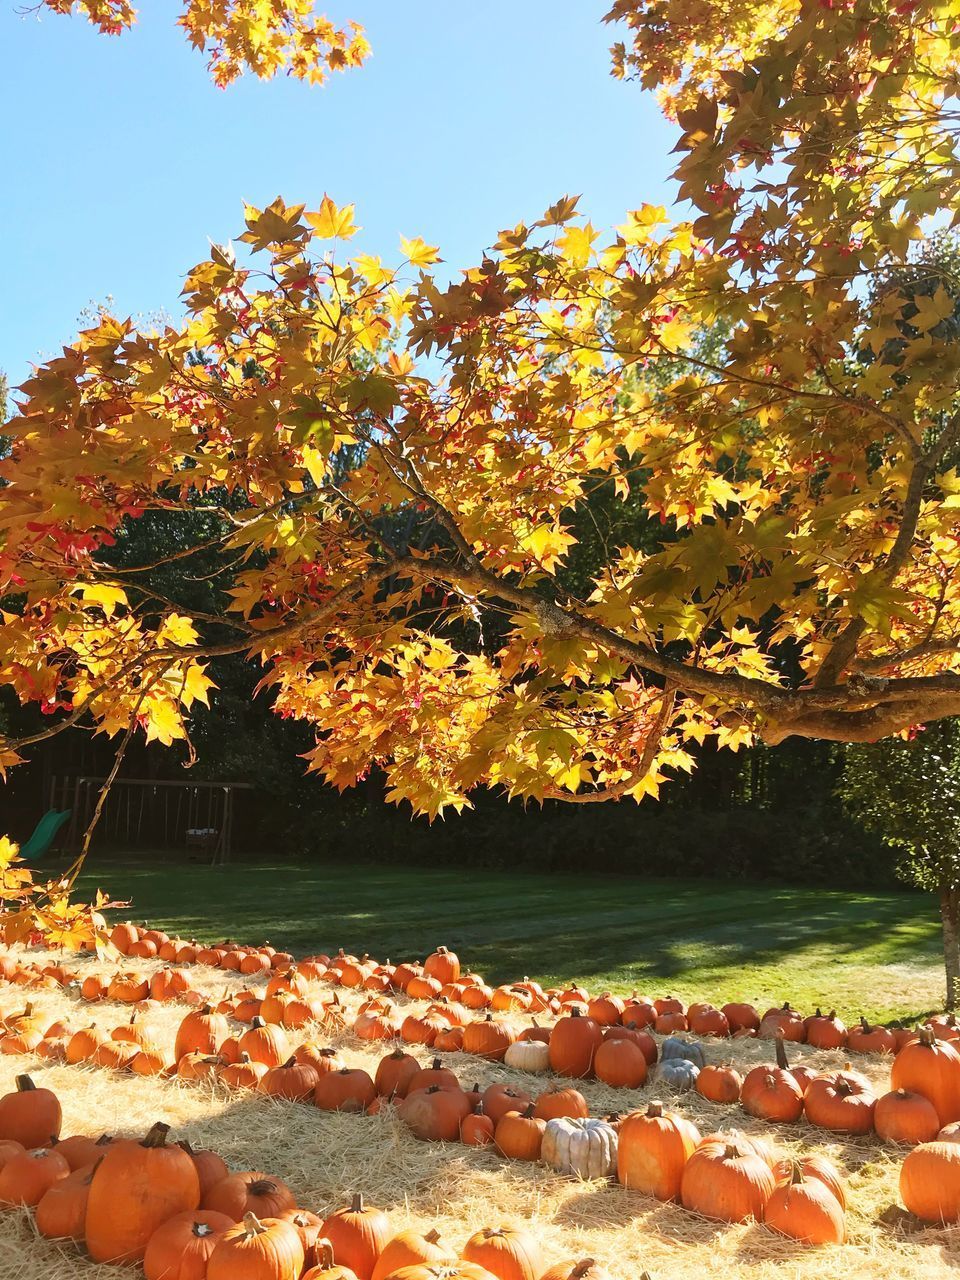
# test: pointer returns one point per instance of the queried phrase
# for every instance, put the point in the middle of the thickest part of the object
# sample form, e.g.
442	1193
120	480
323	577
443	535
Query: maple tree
400	465
260	36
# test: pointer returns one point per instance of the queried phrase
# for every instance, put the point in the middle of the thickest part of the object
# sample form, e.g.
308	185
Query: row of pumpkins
440	977
183	1215
556	1126
85	1189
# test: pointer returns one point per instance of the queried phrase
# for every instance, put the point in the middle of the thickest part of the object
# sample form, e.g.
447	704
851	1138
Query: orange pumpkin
842	1101
138	1186
211	1168
358	1235
27	1176
719	1083
292	1080
519	1134
621	1064
488	1038
249	1192
509	1253
930	1067
180	1249
804	1209
724	1181
30	1116
653	1149
348	1089
200	1032
560	1100
930	1181
256	1249
771	1093
62	1210
573	1043
435	1114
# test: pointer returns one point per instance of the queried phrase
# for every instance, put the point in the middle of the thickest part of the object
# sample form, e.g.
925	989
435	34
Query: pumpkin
200	1032
724	1181
489	1039
867	1039
642	1039
326	1268
257	1250
478	997
784	1022
802	1075
196	1066
250	1192
509	1253
667	1023
814	1167
423	988
309	1225
842	1101
132	1032
676	1047
423	1028
707	1021
28	1175
411	1249
137	1187
477	1129
358	1235
123	936
528	1055
93	988
621	1064
561	1100
427	1271
606	1009
771	1093
585	1269
244	1074
436	1075
9	1149
292	1080
680	1074
168	984
127	988
451	1040
653	1146
149	1062
180	1249
930	1181
62	1209
394	1073
719	1084
83	1044
498	1099
349	1089
321	1058
211	1168
586	1148
434	1114
804	1209
30	1115
930	1067
519	1134
266	1043
825	1032
79	1151
443	965
573	1043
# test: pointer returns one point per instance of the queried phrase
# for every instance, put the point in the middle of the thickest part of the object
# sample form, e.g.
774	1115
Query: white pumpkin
587	1148
528	1055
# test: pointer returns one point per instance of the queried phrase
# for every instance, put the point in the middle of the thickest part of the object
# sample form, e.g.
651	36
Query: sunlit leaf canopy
263	37
401	464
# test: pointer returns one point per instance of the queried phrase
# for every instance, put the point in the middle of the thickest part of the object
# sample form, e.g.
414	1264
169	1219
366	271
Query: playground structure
149	813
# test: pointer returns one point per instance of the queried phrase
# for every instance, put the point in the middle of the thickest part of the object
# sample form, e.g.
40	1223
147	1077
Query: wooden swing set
152	813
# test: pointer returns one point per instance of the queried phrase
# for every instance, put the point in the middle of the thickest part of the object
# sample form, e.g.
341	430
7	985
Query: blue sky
120	157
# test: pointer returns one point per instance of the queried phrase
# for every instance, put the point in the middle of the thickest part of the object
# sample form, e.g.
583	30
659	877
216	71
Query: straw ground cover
864	953
325	1157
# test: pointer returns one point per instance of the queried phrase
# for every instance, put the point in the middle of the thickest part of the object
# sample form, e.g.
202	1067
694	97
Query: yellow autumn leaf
332	223
418	252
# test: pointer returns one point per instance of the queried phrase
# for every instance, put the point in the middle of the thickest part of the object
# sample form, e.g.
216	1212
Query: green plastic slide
44	833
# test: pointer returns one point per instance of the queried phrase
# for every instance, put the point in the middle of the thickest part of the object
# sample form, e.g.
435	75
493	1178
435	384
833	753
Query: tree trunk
950	919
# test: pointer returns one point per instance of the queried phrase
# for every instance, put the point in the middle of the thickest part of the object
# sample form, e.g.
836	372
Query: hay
325	1157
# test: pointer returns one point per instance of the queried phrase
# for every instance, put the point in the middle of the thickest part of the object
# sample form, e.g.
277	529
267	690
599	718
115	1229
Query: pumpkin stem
261	1187
290	1062
655	1110
324	1254
206	1010
257	1022
783	1061
528	1112
432	1236
581	1269
157	1135
24	1084
253	1225
927	1037
201	1229
356	1204
437	1064
731	1151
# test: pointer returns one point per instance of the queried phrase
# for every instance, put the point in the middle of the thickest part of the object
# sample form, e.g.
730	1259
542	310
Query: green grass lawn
870	953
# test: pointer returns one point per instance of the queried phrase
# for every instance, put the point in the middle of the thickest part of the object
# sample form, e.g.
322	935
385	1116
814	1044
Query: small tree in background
909	793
